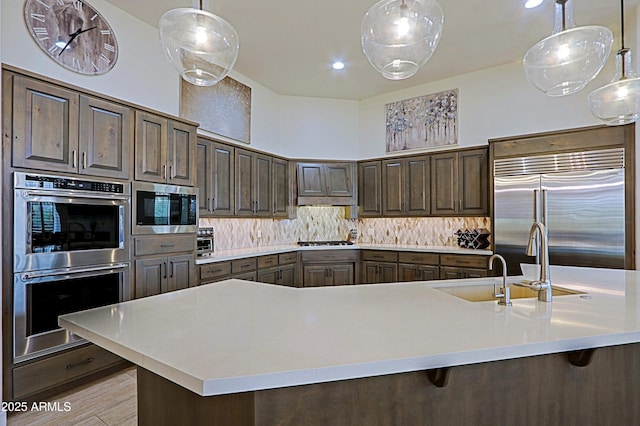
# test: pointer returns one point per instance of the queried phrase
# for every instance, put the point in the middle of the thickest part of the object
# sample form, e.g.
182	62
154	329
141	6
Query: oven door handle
32	275
32	193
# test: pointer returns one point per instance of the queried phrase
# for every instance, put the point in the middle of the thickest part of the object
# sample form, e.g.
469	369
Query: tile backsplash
329	223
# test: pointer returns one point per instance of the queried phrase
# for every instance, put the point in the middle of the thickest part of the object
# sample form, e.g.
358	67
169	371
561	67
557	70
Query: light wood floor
108	401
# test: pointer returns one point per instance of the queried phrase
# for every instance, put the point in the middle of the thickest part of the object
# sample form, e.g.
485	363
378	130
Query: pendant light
399	36
570	57
203	47
619	101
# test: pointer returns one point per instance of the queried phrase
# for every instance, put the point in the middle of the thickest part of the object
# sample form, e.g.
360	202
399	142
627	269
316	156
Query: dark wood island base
539	390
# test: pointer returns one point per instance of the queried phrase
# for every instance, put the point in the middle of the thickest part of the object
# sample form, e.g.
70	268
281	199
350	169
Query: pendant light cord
622	23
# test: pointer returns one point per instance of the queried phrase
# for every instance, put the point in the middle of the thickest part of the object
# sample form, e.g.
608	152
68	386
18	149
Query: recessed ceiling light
337	65
530	4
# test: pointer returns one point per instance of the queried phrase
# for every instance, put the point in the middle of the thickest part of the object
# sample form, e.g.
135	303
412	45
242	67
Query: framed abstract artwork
429	121
223	109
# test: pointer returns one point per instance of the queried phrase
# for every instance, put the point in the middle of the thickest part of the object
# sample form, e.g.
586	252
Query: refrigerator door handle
544	207
536	205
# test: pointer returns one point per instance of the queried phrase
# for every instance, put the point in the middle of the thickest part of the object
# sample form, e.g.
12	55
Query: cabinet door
473	178
388	272
393	187
315	275
151	274
280	188
262	186
343	274
369	189
311	180
151	147
223	180
244	183
417	194
204	177
370	272
288	275
339	179
428	273
407	272
106	134
269	276
181	161
180	272
45	126
444	185
450	273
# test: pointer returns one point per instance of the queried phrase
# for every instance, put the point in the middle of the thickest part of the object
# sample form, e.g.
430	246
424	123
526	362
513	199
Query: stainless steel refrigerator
580	197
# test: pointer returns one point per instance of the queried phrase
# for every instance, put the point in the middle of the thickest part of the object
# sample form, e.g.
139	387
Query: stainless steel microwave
162	209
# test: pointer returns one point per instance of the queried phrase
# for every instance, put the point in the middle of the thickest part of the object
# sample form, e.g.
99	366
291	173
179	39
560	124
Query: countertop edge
235	254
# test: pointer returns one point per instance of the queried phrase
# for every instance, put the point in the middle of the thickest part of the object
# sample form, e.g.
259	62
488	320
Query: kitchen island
238	352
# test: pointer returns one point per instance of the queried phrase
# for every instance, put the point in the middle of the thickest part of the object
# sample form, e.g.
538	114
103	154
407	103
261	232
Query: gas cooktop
325	243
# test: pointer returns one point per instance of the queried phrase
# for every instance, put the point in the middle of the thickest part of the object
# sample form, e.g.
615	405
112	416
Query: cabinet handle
171	176
459	205
84	160
167	245
78	364
216	271
164	171
173	267
245	266
213	208
165	269
74	160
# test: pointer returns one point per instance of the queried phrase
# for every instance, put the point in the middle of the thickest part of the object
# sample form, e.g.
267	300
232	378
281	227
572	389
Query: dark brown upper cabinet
215	178
61	130
280	187
165	150
253	184
326	183
460	183
370	189
405	187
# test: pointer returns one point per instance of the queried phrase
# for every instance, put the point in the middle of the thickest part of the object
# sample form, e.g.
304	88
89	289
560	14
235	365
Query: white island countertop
237	336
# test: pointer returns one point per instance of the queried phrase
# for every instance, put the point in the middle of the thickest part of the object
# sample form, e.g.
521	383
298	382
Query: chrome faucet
538	236
505	292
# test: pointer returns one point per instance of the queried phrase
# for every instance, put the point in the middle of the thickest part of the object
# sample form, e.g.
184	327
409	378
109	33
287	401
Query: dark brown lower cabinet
452	273
163	274
379	272
412	272
323	275
280	275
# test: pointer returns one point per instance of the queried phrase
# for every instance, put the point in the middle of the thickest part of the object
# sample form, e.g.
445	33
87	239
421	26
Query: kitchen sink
484	292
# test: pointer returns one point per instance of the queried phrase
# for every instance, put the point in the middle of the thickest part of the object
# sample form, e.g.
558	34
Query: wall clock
73	34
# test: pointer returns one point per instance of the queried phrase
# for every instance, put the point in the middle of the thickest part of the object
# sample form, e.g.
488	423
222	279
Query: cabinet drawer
339	255
59	369
243	265
248	276
164	244
421	258
286	258
214	270
467	261
380	256
268	261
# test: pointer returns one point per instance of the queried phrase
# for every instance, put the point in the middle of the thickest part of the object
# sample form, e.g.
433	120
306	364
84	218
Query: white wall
319	128
492	103
302	127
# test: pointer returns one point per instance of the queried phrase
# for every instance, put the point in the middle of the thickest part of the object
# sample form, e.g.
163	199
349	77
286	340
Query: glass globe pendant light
619	101
202	46
570	57
399	36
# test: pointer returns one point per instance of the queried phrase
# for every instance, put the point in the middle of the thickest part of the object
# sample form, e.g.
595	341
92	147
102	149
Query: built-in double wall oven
71	253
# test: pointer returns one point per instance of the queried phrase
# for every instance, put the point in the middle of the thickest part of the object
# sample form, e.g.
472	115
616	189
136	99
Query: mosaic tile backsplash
329	223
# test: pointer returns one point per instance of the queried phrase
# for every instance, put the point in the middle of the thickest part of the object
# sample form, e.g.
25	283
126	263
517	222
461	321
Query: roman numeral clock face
73	34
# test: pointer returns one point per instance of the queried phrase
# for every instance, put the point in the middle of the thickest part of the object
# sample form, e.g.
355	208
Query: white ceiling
288	46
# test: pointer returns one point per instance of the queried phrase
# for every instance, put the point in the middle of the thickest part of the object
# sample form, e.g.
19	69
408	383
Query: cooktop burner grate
325	243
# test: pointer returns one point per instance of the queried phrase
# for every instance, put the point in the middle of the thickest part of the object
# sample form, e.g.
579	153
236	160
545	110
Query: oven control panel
59	182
